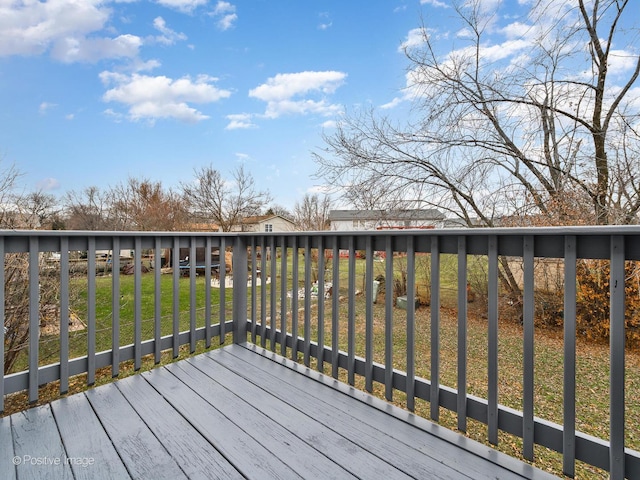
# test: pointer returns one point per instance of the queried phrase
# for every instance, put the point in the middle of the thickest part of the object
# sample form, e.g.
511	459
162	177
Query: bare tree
506	125
144	205
312	212
37	209
18	210
276	209
225	202
88	209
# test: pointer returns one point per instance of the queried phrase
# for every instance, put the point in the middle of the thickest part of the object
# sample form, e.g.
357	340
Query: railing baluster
91	312
335	309
351	314
157	296
569	370
273	299
492	377
223	286
34	318
295	265
617	353
115	307
411	321
175	259
137	300
239	260
193	261
434	392
528	349
64	314
207	292
283	297
388	320
307	300
263	290
320	352
462	333
368	332
254	292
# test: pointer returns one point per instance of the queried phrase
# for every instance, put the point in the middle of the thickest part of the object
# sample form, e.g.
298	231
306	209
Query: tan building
265	223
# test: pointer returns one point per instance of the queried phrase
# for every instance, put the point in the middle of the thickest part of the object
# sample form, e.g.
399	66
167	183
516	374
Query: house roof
262	218
387	215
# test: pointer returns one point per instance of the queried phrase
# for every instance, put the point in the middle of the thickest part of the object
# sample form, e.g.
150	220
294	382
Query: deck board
37	443
235	412
142	453
85	439
352	457
422	455
7	468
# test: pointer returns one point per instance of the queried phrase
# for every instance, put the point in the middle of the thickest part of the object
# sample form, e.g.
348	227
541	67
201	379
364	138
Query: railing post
617	346
240	289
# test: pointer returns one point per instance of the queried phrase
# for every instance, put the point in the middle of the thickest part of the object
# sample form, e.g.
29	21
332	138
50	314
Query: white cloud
91	50
169	36
282	93
621	61
66	29
393	103
183	5
45	107
225	13
151	98
239	121
325	21
434	3
31	27
415	38
47	184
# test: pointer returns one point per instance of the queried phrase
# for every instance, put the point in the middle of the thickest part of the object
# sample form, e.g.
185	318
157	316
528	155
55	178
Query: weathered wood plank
249	457
240	411
89	449
341	450
271	434
37	445
414	450
197	457
347	418
7	466
141	452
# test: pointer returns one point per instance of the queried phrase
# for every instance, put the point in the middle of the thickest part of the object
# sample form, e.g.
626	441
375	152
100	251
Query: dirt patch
50	321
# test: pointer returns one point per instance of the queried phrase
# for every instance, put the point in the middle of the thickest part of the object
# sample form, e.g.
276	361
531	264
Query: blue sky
94	91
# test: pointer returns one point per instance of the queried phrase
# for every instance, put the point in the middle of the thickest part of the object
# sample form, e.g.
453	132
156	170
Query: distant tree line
140	204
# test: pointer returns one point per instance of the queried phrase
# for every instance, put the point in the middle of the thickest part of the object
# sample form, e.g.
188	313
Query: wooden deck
237	412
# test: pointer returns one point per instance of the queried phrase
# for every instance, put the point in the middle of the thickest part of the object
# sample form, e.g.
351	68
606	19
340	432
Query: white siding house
350	220
266	223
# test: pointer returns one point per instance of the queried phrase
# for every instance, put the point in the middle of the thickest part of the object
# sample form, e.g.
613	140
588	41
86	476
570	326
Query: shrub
592	302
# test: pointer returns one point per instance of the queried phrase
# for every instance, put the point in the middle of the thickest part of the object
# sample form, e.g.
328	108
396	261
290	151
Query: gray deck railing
274	276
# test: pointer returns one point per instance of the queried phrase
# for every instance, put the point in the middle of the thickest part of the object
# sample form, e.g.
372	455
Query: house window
268	227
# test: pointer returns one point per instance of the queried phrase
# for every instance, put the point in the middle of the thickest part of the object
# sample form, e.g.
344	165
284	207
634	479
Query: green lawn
49	345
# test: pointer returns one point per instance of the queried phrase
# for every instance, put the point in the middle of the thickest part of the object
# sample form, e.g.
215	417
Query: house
265	223
349	220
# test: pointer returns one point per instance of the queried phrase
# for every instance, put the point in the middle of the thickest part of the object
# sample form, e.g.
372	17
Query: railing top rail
479	231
